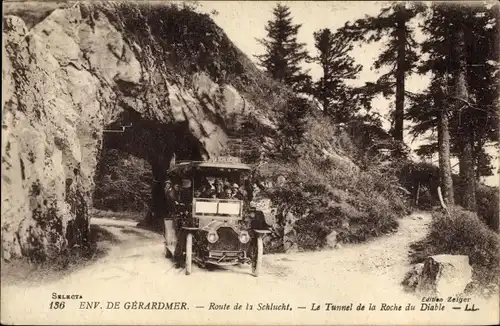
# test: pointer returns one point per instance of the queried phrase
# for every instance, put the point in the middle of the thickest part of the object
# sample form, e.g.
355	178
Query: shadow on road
103	238
100	233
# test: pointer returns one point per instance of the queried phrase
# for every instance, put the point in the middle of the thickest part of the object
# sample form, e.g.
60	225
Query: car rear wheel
189	253
257	259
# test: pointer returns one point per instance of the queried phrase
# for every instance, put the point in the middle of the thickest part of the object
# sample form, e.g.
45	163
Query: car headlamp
212	237
244	237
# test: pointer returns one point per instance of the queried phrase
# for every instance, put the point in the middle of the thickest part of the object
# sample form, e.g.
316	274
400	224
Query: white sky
244	21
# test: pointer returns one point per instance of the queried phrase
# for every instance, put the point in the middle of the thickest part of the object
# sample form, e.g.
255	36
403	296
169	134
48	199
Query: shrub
488	205
463	233
326	191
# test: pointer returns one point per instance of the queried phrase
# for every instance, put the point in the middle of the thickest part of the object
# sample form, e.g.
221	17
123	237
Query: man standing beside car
170	196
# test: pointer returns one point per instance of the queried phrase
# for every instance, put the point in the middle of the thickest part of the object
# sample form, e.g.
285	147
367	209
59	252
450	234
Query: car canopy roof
190	166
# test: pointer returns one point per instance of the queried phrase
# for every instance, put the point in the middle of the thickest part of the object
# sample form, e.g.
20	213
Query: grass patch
463	233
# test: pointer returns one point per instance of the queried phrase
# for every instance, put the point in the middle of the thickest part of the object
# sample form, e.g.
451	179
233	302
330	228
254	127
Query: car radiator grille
228	240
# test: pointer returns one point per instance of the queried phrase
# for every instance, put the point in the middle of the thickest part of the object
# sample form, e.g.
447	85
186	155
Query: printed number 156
57	305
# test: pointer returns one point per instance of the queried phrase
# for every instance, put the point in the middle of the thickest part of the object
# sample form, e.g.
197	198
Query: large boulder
440	275
83	68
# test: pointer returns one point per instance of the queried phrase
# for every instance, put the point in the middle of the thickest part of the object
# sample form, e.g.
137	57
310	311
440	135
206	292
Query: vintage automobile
212	231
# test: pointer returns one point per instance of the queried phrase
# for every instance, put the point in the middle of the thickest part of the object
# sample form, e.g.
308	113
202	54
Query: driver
186	195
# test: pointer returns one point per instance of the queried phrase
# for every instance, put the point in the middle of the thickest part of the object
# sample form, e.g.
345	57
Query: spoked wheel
189	253
258	252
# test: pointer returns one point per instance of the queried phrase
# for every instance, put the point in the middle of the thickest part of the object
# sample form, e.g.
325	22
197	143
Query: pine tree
283	53
399	54
481	35
292	127
460	47
430	111
337	99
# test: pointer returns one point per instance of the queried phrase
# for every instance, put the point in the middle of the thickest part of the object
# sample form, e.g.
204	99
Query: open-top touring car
211	222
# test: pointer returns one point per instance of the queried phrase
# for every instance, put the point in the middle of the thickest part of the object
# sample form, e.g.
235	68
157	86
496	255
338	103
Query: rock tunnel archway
157	143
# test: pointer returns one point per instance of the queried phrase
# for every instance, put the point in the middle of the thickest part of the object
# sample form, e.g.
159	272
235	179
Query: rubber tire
189	253
168	254
257	263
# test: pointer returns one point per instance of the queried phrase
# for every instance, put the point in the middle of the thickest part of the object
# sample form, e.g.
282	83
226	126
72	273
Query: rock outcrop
440	275
80	71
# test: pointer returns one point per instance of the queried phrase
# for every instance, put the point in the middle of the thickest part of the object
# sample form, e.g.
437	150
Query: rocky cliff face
82	70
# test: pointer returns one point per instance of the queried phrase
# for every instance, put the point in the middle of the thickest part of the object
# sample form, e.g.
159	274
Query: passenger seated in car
219	188
236	192
204	191
228	193
208	192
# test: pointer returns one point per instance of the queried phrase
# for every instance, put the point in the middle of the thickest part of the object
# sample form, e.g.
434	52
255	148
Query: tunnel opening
135	156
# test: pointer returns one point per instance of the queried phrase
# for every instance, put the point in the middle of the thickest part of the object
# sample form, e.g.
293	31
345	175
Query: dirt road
134	269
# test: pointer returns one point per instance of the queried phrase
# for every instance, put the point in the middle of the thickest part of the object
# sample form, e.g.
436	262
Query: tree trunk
466	132
444	158
476	156
467	176
400	77
160	159
495	223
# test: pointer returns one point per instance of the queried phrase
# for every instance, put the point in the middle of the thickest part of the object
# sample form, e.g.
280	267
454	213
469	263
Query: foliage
374	144
122	182
338	100
291	127
283	53
328	192
463	233
392	25
488	206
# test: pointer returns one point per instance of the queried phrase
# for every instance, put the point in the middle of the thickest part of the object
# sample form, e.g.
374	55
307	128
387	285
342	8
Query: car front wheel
189	253
257	257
